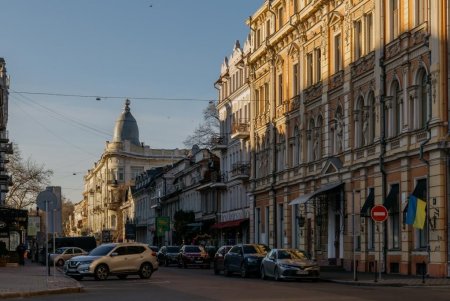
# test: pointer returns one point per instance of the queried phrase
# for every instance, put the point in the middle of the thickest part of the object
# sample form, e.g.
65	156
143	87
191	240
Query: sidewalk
31	280
368	279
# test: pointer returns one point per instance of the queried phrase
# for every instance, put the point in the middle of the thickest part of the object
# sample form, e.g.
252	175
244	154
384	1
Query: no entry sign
379	213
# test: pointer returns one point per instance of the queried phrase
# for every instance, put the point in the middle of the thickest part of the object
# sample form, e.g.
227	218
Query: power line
100	97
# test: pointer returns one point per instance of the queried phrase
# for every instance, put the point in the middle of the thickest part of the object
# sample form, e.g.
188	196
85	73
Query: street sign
379	213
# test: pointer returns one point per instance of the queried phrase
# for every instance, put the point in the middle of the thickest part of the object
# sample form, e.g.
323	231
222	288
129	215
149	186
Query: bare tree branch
28	180
205	131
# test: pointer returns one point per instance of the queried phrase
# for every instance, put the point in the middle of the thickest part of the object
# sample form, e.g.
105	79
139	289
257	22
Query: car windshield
173	249
101	250
294	254
253	249
60	250
194	249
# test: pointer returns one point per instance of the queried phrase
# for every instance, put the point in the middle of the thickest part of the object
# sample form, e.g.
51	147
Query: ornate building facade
349	110
233	146
106	184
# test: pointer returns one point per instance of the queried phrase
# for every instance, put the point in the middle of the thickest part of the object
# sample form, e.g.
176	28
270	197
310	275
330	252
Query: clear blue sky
134	48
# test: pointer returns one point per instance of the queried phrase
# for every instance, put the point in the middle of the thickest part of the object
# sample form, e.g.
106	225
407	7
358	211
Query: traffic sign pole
379	214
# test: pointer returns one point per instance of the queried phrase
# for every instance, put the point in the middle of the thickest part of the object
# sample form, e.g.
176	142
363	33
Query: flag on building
416	212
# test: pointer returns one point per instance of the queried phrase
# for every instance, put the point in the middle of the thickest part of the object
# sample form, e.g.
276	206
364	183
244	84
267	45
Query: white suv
120	259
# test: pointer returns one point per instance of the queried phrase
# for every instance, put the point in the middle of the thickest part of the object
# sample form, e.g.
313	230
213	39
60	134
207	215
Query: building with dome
107	182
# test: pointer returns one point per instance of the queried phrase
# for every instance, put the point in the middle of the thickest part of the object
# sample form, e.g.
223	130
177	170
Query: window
337	53
309	69
359	122
318	66
369	33
372	227
421	11
423	99
394	217
395	120
280	17
257	105
295	78
296	153
395	19
280	221
267	29
421	235
257	224
258	37
357	31
280	89
311	140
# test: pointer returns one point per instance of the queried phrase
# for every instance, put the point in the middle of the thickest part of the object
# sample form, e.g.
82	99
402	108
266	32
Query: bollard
376	279
424	268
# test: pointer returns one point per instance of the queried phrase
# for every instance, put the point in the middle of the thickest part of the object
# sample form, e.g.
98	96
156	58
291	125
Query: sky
73	63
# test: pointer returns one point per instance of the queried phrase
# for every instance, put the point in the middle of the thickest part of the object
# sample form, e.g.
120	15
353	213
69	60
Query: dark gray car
244	259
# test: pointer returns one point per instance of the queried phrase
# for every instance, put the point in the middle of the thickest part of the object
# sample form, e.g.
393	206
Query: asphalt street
172	283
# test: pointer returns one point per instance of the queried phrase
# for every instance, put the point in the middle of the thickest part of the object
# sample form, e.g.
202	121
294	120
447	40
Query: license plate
198	261
302	272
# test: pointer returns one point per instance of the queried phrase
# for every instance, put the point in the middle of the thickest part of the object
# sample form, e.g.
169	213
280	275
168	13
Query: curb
41	293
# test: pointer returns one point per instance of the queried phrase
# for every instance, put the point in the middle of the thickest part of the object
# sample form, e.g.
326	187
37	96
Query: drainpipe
383	127
427	162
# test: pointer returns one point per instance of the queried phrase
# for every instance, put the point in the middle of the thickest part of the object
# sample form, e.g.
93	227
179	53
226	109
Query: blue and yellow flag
416	212
419	221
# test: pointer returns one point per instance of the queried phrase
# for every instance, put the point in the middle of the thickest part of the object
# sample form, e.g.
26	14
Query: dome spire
126	127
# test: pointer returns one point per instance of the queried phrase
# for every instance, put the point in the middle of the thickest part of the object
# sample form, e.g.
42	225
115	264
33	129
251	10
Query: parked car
218	258
191	255
289	264
244	259
154	249
120	259
168	255
61	255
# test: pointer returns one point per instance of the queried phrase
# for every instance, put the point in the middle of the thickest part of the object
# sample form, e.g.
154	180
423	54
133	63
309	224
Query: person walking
21	249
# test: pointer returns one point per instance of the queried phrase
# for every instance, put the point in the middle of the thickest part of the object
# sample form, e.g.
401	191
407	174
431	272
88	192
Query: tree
28	180
181	220
205	131
67	211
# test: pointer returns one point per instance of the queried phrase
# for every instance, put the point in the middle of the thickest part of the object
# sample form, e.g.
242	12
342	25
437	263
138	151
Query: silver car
289	264
61	255
119	259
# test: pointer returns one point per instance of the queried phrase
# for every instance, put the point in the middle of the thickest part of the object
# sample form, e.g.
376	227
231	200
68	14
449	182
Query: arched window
423	99
311	140
395	110
319	136
339	130
296	153
359	122
372	118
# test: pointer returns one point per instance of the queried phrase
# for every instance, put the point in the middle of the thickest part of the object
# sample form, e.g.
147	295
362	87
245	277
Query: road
172	283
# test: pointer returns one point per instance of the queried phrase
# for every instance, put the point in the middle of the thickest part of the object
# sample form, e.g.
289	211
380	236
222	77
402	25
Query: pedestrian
21	249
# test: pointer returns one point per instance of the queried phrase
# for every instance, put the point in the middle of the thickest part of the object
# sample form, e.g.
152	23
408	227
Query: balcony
6	148
218	143
240	170
240	130
218	180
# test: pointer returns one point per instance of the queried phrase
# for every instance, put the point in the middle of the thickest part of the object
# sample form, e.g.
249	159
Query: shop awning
306	197
229	224
368	204
391	201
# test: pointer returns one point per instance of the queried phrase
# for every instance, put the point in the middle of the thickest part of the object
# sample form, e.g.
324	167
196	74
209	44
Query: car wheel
263	273
101	272
77	277
146	271
244	272
276	275
60	263
122	277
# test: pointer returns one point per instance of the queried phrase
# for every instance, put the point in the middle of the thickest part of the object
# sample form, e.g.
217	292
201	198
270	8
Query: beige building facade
349	110
106	183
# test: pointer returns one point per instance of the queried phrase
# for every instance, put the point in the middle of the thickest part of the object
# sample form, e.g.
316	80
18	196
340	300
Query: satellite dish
48	198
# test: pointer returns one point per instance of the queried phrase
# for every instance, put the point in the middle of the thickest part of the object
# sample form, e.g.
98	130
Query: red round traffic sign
379	213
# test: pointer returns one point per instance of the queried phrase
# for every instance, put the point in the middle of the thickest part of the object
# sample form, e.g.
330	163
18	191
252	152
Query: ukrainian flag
416	212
